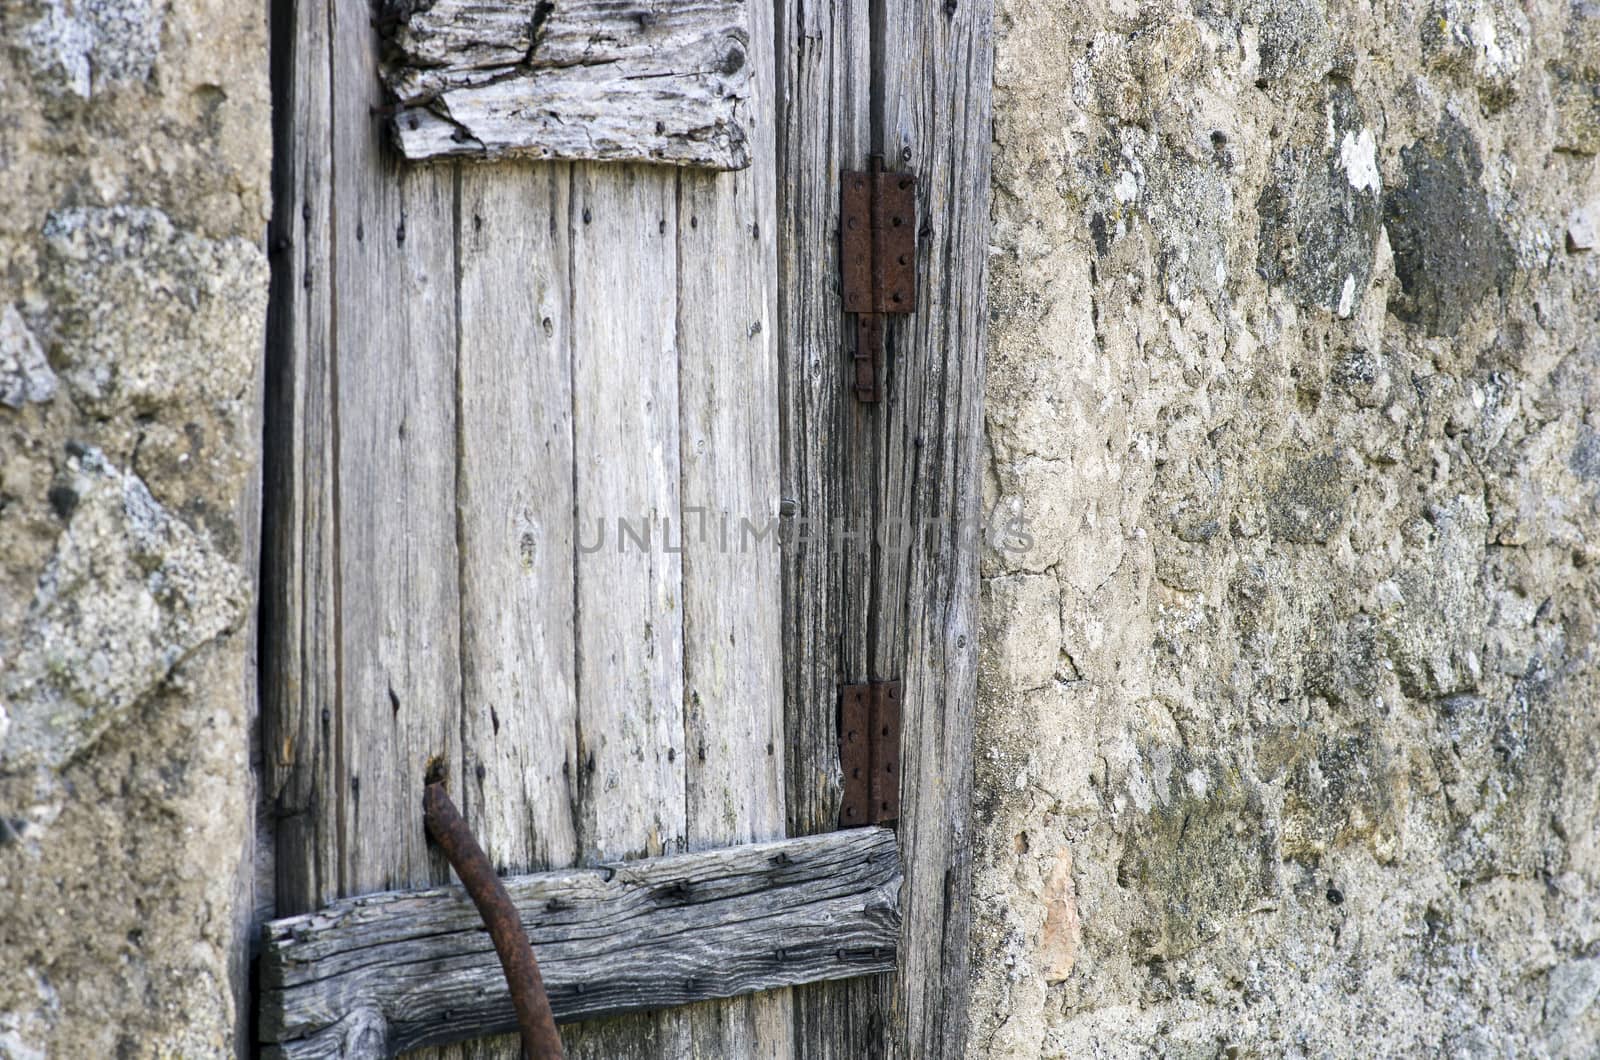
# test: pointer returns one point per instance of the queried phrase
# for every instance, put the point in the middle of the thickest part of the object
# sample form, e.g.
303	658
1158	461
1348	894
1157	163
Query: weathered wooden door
537	427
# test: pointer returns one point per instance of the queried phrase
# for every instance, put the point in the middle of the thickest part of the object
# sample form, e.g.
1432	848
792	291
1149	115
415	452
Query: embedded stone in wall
1024	649
1583	229
148	315
1307	501
128	594
1449	252
88	46
1062	932
1575	82
1295	44
1203	852
1433	613
1482	41
1343	788
1136	186
25	375
1321	214
1573	987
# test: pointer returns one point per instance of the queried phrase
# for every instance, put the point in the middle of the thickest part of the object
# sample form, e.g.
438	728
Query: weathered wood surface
825	125
361	526
888	587
412	969
426	589
471	366
514	490
728	408
934	110
633	80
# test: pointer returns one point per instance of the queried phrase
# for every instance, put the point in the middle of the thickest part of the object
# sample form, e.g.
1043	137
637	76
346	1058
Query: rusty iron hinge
878	261
869	752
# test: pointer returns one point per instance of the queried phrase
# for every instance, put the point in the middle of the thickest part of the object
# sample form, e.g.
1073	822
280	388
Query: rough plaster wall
134	154
1290	724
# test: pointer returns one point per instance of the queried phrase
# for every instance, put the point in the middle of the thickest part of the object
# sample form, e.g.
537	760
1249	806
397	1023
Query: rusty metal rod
537	1023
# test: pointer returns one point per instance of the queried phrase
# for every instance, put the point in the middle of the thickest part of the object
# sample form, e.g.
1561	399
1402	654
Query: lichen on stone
1201	852
1484	42
25	375
129	593
1320	214
89	46
141	308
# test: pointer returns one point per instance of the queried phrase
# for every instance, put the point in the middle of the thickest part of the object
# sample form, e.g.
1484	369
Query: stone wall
135	140
1289	731
1290	721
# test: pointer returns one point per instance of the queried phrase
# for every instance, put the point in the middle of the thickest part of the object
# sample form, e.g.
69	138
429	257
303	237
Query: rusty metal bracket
869	753
540	1040
878	258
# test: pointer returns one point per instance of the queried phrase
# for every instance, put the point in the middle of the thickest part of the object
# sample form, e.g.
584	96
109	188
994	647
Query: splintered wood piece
580	79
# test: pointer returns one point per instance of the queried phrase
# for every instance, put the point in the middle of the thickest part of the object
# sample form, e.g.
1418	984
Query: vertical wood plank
299	560
732	586
519	725
631	770
728	395
934	117
395	340
515	481
824	99
631	765
824	126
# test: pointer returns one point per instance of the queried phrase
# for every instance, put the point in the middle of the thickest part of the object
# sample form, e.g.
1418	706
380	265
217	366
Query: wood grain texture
892	592
394	338
574	79
631	791
728	400
631	769
361	679
519	711
299	563
472	366
824	126
358	524
411	969
934	116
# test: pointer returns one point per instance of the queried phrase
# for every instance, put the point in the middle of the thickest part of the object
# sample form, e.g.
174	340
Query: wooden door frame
910	82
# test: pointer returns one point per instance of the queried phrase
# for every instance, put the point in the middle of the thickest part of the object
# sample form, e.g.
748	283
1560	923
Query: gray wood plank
824	94
825	107
733	642
515	496
300	563
617	938
515	483
935	119
632	768
580	79
361	526
728	400
395	378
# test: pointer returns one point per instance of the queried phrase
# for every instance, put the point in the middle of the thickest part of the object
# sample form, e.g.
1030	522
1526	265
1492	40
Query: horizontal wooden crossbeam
383	973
